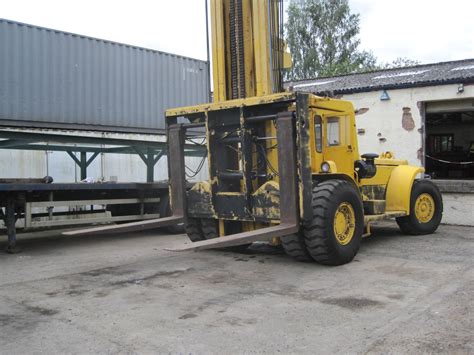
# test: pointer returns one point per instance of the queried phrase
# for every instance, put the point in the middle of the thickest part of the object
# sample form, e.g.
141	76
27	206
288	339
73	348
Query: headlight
325	167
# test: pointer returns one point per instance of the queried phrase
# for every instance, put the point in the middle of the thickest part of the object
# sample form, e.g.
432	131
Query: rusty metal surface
304	156
284	97
241	238
177	170
289	215
287	168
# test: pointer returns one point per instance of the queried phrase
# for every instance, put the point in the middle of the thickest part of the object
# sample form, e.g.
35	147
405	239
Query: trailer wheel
333	236
426	209
193	230
295	246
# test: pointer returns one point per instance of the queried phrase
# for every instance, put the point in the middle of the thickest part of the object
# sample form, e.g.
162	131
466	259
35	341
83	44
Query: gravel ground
125	293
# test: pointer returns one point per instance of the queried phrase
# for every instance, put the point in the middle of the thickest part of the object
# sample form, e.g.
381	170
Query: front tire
165	211
334	235
426	209
295	246
193	230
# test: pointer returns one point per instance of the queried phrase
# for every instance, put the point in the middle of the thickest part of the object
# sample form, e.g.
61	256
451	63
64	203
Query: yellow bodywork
399	187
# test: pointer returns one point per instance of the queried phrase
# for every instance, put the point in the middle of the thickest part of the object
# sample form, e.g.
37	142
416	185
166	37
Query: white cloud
428	31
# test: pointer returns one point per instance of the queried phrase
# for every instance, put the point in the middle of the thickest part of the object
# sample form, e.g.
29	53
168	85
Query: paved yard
126	294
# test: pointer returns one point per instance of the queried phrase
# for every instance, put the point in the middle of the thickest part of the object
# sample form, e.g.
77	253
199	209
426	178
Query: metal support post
83	162
10	224
150	159
83	165
150	165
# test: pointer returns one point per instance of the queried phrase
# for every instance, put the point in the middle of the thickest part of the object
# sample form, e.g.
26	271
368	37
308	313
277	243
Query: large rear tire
426	209
334	235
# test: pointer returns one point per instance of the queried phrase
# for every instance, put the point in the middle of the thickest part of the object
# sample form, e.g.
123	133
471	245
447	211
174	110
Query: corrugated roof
461	71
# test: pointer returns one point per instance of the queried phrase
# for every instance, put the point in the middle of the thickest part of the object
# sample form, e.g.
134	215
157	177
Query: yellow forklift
283	166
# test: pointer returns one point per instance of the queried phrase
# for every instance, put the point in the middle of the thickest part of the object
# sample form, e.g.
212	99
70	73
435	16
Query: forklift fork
289	216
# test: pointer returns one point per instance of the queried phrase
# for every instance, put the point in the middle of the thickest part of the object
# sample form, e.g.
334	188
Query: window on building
440	143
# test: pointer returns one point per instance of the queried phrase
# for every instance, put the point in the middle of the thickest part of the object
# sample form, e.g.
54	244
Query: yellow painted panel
399	187
261	48
183	111
218	54
381	177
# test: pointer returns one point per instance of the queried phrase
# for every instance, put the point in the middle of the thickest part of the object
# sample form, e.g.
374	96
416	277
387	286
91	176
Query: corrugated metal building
56	79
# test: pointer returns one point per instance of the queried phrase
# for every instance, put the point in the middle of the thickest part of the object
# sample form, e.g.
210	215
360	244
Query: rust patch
407	119
419	153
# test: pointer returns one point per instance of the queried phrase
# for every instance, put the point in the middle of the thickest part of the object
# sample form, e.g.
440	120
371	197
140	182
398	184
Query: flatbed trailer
122	202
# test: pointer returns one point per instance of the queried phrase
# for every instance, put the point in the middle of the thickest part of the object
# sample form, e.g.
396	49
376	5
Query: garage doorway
449	139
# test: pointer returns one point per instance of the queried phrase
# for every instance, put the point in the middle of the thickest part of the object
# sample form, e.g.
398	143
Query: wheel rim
424	208
344	223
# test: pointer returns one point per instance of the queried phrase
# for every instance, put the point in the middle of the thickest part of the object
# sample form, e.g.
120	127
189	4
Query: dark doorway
449	145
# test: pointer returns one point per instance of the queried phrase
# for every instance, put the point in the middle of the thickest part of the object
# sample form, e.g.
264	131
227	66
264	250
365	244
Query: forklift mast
247	48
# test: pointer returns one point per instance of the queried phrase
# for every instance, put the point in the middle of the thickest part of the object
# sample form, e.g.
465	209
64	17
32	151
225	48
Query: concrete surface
126	294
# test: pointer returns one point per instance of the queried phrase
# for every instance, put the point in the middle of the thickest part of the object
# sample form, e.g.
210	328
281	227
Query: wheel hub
424	208
344	223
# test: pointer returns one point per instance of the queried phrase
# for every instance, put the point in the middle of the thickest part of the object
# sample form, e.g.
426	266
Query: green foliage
323	39
399	63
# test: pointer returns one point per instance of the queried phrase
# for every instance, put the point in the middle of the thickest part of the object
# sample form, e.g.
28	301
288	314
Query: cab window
318	133
333	131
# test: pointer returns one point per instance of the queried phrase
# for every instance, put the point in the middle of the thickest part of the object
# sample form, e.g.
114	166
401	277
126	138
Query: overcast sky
423	30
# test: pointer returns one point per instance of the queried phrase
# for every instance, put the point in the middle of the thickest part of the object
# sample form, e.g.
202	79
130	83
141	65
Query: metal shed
56	79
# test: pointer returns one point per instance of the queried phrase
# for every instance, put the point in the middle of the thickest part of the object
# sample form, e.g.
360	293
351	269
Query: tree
322	36
323	39
400	62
